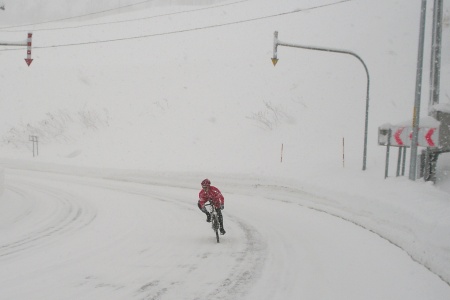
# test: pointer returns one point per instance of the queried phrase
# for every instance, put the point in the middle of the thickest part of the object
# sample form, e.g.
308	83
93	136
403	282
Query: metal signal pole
277	43
416	111
436	45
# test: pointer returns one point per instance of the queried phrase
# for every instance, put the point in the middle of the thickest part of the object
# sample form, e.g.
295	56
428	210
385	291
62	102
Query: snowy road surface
75	237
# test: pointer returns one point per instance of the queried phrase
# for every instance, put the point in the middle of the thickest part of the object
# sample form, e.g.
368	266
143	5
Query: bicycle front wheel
216	227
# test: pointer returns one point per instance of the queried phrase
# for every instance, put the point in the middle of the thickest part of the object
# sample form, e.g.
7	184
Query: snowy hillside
185	89
178	74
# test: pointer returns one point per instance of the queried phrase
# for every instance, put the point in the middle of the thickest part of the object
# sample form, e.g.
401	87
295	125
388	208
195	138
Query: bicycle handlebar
210	204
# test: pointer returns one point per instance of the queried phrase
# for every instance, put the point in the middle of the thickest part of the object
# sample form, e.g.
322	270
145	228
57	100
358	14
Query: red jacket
212	194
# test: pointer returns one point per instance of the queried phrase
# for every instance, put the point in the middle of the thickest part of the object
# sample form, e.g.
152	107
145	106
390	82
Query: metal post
37	146
403	161
277	43
436	45
34	139
416	111
399	161
31	139
388	146
426	164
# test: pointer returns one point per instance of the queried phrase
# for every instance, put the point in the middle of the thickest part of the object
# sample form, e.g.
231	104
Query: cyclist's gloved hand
222	207
204	209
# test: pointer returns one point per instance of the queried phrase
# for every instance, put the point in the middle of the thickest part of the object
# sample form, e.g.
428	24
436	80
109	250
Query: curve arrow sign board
402	136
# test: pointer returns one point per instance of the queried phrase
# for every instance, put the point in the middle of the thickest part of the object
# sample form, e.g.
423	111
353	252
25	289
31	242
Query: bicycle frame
214	219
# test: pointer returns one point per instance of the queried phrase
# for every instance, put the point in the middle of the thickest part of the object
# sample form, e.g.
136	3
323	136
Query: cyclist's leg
208	215
219	214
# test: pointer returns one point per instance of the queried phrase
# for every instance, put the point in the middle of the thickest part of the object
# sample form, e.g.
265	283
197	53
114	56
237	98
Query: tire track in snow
249	263
52	214
56	213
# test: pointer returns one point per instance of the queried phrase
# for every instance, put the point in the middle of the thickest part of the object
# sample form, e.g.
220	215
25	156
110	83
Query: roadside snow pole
277	43
28	60
281	152
343	153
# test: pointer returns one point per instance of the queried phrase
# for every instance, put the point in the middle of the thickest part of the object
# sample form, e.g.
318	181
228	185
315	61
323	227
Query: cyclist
211	193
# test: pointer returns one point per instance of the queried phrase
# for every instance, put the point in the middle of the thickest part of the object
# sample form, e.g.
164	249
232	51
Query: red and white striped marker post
28	60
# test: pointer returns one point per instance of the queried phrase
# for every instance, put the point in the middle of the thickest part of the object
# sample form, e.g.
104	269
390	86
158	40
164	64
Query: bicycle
214	219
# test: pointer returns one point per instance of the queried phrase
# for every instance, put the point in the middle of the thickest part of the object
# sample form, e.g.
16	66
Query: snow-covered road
76	237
